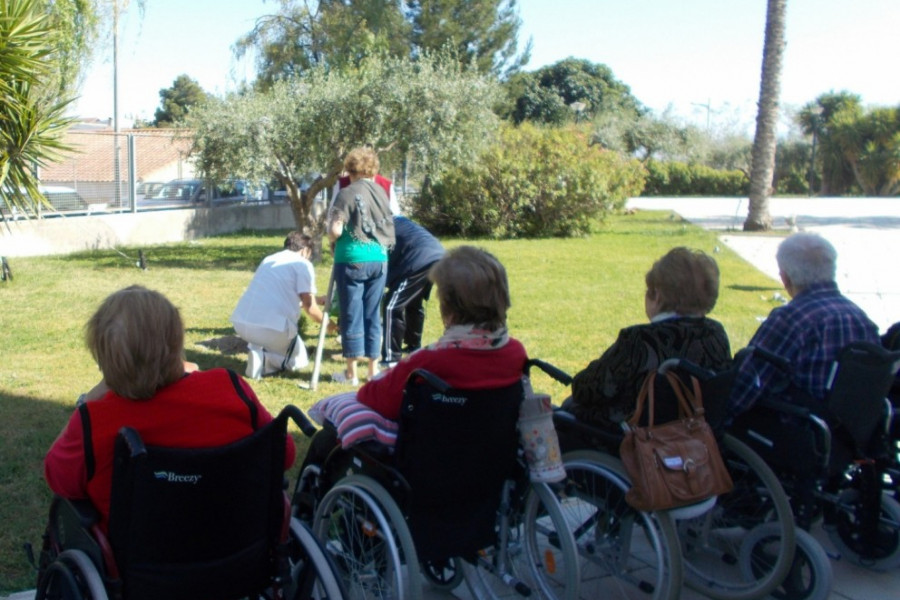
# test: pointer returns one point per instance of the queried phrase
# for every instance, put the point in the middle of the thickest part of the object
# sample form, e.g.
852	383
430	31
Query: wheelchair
737	546
188	524
891	341
452	501
832	459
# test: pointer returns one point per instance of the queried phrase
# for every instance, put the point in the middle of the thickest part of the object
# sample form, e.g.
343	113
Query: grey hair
807	258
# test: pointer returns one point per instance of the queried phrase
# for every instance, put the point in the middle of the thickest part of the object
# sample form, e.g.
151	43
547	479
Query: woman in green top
361	230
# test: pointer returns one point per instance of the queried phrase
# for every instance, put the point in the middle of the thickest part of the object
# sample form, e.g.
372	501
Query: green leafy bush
682	179
533	182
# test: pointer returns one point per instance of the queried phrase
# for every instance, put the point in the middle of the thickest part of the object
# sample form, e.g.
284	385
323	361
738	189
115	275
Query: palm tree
762	166
31	128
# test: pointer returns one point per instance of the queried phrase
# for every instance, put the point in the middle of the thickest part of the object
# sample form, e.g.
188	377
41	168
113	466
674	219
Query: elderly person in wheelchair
169	480
146	385
682	288
439	482
810	398
475	351
791	356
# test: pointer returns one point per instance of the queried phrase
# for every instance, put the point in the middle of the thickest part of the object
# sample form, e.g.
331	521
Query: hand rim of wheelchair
755	584
479	578
658	528
73	562
386	511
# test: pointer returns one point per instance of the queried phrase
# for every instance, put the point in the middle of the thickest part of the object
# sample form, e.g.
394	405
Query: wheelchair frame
77	560
738	546
360	516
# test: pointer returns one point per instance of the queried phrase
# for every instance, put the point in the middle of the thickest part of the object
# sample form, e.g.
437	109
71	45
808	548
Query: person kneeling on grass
266	315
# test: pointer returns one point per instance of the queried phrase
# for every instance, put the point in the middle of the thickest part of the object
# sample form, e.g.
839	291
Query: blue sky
699	58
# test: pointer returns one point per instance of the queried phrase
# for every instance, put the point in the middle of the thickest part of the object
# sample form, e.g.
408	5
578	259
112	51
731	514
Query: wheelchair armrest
687	366
565	420
786	408
84	510
779	362
554	372
302	421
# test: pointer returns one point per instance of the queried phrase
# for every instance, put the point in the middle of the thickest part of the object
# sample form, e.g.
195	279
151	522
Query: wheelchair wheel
313	574
72	576
366	536
810	575
443	576
623	553
884	553
743	546
538	558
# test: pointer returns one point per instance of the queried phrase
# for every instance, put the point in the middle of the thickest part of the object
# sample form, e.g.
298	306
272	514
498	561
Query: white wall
62	235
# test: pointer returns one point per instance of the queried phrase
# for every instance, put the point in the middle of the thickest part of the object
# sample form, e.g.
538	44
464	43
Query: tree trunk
762	168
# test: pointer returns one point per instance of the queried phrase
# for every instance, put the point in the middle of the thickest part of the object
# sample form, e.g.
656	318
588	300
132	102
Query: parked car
193	192
148	189
63	198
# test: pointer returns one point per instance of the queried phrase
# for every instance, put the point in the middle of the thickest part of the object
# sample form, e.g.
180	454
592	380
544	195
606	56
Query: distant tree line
437	87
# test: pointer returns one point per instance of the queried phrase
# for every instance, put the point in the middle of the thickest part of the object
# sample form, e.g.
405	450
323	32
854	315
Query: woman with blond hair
137	338
682	287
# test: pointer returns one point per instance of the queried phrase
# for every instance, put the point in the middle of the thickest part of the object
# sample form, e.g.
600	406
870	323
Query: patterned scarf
472	337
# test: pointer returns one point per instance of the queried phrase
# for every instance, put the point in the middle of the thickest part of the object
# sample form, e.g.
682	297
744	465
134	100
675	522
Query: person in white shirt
266	315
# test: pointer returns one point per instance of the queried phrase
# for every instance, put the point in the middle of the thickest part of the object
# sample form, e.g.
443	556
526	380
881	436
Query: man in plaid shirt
809	331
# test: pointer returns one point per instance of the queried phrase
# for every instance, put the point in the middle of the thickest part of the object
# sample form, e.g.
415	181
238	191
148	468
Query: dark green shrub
682	179
533	182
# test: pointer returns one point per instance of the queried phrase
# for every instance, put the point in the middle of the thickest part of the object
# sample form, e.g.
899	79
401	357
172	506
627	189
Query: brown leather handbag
676	463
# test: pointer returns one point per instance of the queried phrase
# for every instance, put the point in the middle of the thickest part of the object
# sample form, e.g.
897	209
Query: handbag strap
645	392
690	402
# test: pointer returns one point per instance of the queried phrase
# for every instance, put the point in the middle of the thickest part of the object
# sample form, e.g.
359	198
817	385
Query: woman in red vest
137	339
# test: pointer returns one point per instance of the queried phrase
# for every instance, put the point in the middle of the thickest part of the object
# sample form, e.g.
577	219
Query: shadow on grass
212	252
28	427
755	288
203	257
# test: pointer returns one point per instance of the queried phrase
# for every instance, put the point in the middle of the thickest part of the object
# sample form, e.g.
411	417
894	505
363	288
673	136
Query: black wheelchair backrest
456	447
203	522
858	384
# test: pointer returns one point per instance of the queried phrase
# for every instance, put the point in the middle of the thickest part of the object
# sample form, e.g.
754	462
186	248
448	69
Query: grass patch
570	298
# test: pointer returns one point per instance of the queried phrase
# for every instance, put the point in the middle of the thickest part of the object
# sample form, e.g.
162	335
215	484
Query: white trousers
271	351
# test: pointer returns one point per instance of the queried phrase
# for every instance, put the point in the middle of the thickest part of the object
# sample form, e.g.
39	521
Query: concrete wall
62	235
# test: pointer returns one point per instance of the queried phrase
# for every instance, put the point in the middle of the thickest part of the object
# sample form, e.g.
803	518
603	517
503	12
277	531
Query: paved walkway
864	231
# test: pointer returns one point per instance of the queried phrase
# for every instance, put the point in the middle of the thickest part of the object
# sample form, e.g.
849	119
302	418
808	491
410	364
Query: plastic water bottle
538	437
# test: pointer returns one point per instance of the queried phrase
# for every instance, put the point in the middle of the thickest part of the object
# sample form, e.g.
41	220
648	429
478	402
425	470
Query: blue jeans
360	288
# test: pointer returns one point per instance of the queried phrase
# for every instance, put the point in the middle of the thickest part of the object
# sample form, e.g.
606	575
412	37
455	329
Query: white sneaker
341	377
255	361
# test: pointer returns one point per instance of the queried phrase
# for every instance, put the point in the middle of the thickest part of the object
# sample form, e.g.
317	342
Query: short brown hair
137	339
472	288
297	241
686	280
362	161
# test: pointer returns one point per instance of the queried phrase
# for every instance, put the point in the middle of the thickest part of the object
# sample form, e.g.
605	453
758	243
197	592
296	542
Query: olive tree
432	110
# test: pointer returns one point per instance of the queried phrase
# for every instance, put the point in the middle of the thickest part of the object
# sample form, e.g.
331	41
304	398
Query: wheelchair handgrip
554	372
779	362
302	421
687	366
785	407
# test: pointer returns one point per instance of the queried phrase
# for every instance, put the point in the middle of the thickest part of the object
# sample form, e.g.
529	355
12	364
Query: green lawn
570	297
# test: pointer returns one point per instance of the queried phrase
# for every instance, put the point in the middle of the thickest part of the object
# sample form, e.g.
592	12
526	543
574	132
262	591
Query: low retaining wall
63	235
